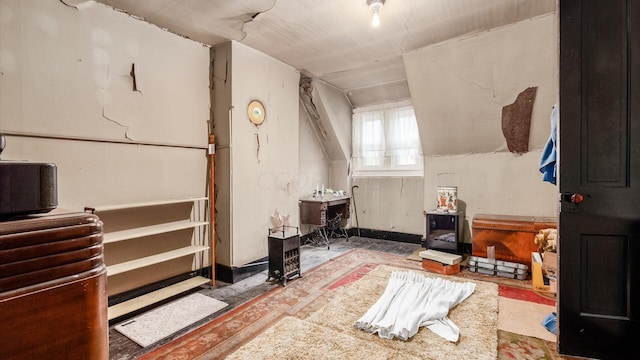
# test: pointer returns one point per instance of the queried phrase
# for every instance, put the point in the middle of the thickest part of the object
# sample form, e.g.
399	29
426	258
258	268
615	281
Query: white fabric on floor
410	301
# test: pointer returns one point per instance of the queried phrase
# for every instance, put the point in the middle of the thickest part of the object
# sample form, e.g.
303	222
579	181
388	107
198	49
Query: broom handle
212	207
355	208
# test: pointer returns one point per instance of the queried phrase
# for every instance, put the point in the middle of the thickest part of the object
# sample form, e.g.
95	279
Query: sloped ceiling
333	40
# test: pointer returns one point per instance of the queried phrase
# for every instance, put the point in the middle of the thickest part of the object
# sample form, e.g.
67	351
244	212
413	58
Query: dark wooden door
599	247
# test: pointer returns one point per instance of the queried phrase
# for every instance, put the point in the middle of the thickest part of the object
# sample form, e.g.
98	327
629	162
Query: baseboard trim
234	274
386	235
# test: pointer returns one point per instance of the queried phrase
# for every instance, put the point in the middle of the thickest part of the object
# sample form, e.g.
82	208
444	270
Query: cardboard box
550	264
553	283
541	282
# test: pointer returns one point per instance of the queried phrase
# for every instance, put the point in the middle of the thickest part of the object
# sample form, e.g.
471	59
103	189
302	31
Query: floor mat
524	318
162	322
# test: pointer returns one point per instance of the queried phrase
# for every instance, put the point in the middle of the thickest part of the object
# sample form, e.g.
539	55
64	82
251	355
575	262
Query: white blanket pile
410	301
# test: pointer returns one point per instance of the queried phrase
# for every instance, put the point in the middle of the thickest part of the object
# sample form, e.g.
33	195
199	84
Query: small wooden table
318	211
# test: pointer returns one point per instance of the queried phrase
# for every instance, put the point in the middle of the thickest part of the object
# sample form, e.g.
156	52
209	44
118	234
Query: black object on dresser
26	187
284	253
443	231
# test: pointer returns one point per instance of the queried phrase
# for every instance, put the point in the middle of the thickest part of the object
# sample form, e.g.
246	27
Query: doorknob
574	198
569	201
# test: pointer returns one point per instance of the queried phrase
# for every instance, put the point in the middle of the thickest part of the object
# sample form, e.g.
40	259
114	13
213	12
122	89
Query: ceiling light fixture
375	6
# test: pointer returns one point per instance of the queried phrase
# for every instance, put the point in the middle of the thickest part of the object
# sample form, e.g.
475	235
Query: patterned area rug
329	333
302	297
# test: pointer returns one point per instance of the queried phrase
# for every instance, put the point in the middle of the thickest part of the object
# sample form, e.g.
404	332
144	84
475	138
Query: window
386	143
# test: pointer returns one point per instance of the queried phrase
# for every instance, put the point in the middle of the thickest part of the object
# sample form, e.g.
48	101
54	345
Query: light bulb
375	20
375	6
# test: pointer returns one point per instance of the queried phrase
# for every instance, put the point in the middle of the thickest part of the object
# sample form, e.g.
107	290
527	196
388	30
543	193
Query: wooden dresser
53	300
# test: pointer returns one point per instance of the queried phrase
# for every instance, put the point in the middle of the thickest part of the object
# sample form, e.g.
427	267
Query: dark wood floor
120	347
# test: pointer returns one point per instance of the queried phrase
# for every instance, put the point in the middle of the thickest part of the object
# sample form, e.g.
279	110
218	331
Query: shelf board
150	230
141	204
154	259
155	296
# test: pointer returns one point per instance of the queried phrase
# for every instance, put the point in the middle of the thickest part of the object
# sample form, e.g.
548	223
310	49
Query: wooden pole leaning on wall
212	207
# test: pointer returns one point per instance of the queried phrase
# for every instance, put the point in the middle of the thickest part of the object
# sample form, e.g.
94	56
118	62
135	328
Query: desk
323	210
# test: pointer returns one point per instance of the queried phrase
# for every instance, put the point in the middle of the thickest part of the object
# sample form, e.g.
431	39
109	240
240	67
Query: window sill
389	173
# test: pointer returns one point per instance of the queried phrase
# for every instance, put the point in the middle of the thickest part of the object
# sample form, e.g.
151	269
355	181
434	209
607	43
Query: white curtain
410	301
402	135
369	141
387	140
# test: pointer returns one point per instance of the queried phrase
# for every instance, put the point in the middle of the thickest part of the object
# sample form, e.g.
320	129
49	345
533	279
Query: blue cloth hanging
550	322
548	166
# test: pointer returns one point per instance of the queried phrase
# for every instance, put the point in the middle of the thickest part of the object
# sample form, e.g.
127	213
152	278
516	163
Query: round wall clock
256	112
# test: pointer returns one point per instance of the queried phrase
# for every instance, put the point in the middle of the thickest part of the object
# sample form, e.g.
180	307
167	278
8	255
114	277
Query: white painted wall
492	183
220	114
339	177
263	160
64	73
314	165
326	144
390	204
334	106
459	88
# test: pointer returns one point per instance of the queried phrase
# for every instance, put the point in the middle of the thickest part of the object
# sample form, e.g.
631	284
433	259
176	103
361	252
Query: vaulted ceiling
333	40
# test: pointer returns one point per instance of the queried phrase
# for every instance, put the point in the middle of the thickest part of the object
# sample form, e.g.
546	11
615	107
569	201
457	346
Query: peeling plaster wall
220	111
334	112
65	81
334	106
339	175
314	165
65	72
493	183
459	88
263	163
390	204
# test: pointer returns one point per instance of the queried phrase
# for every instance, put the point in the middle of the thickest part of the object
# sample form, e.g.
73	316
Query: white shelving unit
141	262
151	230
